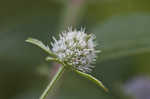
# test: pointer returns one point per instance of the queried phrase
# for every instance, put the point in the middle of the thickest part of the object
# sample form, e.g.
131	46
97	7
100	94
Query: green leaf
51	59
91	78
121	36
54	59
41	45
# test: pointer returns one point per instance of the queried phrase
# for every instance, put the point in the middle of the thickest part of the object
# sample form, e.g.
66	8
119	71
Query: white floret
77	48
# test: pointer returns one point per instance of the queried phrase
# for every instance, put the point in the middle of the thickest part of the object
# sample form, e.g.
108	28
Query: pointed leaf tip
41	45
93	79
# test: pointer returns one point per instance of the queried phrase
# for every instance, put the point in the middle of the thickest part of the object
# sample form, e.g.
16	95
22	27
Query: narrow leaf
41	45
54	59
91	78
50	59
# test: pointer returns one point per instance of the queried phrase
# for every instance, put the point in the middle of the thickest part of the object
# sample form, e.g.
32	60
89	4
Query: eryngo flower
76	48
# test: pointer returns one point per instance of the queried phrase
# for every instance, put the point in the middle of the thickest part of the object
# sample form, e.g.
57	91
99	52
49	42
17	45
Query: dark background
122	28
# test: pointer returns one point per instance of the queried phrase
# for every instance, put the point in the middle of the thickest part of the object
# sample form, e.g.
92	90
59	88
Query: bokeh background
122	28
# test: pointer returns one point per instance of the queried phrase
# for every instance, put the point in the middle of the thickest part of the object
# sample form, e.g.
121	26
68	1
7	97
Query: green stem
51	84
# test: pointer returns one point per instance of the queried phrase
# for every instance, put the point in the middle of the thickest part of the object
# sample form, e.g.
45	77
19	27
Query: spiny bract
76	48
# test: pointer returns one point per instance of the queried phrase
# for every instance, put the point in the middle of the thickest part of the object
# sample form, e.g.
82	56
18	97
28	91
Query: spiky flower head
76	48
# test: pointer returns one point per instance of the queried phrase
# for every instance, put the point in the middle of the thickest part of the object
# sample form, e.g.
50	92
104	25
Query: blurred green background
122	28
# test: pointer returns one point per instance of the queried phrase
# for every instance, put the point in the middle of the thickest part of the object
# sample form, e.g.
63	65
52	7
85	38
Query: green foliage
121	26
131	36
41	45
93	79
62	68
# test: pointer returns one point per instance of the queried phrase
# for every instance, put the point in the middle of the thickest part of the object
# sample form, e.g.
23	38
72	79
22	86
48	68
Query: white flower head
76	48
